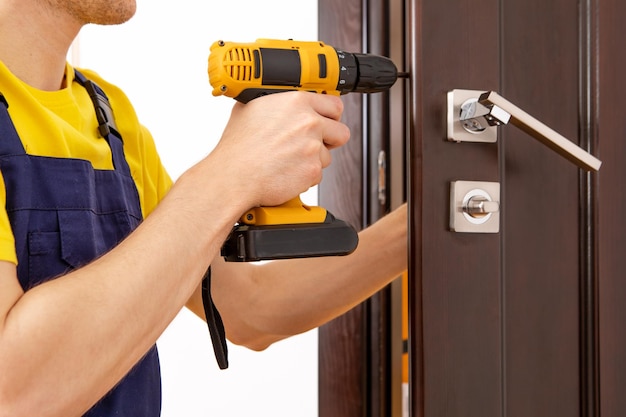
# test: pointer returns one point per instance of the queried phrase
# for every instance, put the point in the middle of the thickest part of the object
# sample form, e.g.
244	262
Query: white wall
160	59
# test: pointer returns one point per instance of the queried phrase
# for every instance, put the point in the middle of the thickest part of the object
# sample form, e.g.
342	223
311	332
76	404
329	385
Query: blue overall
64	214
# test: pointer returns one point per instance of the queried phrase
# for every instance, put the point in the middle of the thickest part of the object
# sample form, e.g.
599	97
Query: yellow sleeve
150	176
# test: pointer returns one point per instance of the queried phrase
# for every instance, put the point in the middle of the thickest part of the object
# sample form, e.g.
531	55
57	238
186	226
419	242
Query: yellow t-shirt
62	124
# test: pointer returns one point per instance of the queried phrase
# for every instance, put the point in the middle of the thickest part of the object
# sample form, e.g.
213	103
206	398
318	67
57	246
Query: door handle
472	113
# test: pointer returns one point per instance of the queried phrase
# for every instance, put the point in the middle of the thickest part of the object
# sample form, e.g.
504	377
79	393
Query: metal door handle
488	109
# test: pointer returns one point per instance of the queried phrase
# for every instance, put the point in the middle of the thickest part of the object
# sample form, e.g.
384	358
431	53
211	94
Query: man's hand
276	146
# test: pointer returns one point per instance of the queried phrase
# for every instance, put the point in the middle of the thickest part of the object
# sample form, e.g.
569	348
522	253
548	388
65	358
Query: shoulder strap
104	112
106	121
10	143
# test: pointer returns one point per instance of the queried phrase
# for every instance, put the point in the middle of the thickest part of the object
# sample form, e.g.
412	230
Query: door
527	321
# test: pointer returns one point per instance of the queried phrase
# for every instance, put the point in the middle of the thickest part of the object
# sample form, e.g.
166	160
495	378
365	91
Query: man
92	269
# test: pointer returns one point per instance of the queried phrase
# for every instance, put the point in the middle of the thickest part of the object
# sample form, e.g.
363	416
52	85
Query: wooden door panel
454	276
540	73
611	207
343	341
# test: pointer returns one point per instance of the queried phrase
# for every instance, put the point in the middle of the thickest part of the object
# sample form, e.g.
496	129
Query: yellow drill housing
244	70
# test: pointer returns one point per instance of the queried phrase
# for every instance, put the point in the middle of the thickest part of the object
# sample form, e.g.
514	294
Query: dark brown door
528	321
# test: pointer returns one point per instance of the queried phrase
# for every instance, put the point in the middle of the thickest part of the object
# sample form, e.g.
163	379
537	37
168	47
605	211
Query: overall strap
106	121
10	143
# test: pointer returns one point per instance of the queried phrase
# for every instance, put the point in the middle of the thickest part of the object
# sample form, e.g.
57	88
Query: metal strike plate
472	130
474	207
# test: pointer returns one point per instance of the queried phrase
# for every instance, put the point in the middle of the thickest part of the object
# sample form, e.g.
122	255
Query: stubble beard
100	12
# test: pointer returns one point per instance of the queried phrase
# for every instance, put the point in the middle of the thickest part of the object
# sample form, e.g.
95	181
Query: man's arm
261	304
67	342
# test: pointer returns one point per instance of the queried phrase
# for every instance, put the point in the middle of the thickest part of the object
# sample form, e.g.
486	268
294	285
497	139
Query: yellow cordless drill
245	71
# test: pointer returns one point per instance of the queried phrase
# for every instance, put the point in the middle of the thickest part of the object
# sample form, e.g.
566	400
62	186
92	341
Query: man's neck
34	43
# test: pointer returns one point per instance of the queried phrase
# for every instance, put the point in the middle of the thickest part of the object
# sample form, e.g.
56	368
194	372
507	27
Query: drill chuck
365	73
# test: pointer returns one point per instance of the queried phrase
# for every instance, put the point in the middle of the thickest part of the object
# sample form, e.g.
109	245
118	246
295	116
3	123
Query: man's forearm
288	297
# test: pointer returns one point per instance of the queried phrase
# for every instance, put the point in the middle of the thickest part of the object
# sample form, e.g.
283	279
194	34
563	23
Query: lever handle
496	110
473	115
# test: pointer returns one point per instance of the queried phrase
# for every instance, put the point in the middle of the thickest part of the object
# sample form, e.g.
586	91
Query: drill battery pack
247	243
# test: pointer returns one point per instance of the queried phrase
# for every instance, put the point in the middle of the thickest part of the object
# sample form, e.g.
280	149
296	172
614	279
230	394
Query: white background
160	59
